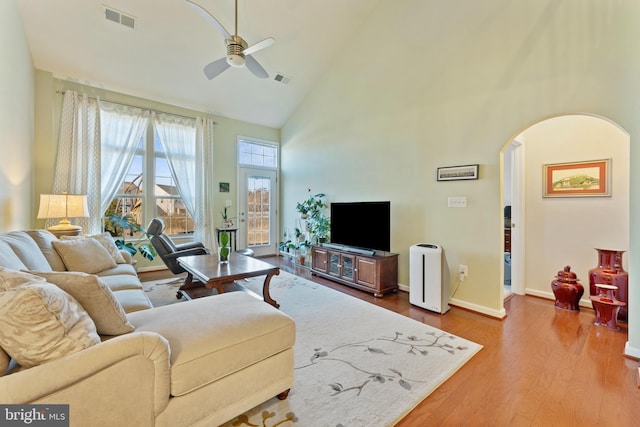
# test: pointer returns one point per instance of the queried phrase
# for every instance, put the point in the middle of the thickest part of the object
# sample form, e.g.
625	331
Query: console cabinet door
319	259
335	267
341	265
366	270
348	267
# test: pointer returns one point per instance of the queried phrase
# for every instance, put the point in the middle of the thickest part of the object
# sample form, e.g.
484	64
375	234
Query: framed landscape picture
577	179
456	173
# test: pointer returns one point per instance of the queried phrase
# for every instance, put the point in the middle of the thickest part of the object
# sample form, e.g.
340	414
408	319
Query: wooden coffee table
207	269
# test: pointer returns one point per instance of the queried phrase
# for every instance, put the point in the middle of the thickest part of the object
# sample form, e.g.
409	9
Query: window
252	153
149	190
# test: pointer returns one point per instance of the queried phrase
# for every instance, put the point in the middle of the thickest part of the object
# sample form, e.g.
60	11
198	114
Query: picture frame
590	178
457	173
224	187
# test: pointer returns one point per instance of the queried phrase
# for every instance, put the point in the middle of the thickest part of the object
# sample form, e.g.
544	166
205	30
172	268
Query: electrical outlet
463	272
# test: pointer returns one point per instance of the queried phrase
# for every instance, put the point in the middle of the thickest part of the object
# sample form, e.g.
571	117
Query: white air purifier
427	285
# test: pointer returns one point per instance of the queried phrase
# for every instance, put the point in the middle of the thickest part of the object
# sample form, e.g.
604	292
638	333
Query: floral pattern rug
356	364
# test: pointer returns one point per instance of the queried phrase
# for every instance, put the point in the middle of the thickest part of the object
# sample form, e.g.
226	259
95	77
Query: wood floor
539	367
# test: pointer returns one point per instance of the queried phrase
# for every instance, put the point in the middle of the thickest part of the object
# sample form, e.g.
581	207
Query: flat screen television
365	225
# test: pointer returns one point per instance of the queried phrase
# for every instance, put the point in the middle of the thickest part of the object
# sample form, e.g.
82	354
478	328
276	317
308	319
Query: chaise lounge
106	347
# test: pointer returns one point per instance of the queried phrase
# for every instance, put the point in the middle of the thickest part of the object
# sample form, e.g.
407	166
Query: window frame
148	197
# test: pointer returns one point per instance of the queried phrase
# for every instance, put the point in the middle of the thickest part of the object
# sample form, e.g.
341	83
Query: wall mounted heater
428	286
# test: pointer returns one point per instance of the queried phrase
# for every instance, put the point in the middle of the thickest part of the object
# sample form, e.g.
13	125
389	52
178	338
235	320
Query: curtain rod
135	106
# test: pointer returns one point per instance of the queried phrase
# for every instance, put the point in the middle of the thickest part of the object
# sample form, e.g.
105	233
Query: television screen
364	225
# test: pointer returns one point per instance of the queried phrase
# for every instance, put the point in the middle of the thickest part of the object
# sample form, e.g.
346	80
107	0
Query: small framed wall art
457	173
224	187
577	179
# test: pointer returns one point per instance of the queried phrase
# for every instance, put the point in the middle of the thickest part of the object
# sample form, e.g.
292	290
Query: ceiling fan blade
255	68
210	18
259	46
215	68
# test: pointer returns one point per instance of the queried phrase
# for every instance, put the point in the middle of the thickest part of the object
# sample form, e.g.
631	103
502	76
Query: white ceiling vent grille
282	78
119	18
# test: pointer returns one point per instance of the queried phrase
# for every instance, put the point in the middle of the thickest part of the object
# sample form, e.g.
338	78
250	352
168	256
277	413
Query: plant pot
301	258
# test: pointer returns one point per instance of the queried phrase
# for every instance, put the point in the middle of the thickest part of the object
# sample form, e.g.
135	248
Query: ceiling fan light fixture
235	60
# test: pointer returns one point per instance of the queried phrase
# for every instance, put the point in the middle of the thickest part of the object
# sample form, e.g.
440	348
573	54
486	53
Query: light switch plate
457	202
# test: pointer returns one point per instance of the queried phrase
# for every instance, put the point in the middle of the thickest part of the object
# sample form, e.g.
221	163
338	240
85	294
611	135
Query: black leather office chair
169	252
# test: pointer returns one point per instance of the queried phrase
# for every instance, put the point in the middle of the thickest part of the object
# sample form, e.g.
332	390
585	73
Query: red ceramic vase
610	272
567	290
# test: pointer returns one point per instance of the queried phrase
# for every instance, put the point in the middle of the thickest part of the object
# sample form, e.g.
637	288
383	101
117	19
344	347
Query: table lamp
63	206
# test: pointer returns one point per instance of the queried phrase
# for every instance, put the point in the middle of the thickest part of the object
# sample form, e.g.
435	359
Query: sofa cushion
43	239
9	259
39	322
85	255
27	250
121	282
10	279
133	300
106	241
237	331
120	269
96	298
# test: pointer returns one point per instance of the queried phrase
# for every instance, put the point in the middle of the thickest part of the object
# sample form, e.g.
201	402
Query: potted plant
302	252
320	228
311	206
118	226
227	221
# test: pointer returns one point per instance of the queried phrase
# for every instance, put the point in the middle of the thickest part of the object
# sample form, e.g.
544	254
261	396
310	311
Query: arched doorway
550	233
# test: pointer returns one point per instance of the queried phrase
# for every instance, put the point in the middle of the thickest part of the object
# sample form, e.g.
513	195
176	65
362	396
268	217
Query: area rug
356	364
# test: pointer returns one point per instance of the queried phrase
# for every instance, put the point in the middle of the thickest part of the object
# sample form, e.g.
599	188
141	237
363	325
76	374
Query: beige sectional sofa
90	338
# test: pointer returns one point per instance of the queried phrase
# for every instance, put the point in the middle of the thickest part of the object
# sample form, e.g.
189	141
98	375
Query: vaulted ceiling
163	56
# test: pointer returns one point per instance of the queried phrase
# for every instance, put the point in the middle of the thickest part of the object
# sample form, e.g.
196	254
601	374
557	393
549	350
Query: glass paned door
257	213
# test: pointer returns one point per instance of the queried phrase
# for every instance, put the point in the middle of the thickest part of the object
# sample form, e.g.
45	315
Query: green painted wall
431	84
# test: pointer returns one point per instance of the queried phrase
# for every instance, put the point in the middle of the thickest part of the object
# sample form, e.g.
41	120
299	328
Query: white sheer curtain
205	210
78	159
122	126
178	139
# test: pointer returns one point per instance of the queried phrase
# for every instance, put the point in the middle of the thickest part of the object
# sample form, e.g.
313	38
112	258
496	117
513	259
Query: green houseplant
312	210
225	248
119	226
311	206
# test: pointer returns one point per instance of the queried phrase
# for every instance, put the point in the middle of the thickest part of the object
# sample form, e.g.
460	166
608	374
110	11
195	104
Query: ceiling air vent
119	17
282	78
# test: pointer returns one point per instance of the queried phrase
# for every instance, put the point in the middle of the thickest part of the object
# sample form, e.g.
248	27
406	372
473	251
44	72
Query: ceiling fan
238	51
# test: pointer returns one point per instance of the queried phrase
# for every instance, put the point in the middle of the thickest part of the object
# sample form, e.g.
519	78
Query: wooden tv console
372	273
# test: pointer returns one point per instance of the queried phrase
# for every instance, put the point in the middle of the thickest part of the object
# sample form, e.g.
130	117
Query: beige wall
16	121
48	106
565	231
433	84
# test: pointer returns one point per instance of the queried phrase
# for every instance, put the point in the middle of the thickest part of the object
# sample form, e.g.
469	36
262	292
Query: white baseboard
499	314
550	296
632	352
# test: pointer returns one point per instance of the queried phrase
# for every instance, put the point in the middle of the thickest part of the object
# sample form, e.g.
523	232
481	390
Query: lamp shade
63	206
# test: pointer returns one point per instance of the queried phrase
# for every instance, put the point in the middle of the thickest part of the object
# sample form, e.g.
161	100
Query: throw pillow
43	239
8	257
96	297
39	323
27	250
107	242
85	255
10	279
